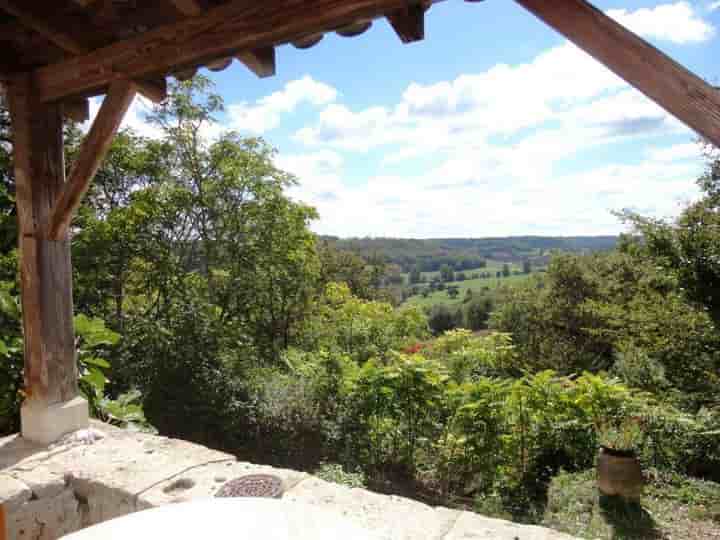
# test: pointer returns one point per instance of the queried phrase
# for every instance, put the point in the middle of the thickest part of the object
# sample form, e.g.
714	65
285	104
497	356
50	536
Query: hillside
466	253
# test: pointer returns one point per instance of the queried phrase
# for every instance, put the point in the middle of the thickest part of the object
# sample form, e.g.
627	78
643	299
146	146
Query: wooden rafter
188	7
659	77
260	61
78	110
51	27
409	23
92	152
153	89
241	25
31	16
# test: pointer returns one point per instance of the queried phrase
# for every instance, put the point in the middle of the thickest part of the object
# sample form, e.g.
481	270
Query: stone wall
98	474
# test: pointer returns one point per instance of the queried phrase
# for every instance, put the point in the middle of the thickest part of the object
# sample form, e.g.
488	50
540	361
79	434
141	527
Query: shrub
441	319
334	472
468	357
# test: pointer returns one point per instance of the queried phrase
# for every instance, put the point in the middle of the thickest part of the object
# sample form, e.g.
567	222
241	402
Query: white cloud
135	118
502	141
264	115
676	152
562	85
677	23
488	190
714	6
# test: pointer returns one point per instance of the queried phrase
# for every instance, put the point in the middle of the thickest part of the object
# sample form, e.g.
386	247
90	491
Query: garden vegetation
208	310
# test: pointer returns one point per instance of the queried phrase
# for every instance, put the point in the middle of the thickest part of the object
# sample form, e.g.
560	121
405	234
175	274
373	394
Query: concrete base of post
44	425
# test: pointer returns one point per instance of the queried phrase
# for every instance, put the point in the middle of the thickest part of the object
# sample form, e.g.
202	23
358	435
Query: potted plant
618	467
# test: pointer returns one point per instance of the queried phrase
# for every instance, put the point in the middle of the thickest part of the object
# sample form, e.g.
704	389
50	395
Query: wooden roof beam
153	89
39	22
260	61
409	23
92	152
670	85
191	8
235	27
77	110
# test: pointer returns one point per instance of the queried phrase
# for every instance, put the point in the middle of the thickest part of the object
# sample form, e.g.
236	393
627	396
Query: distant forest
468	253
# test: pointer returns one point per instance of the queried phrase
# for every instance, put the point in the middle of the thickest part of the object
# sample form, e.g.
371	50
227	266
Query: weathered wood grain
92	152
153	89
45	271
78	110
409	23
44	19
188	7
260	61
670	85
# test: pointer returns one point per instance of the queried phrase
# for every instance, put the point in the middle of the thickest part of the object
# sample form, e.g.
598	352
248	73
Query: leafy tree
447	273
527	266
234	223
441	319
340	266
415	275
506	270
361	329
689	247
477	313
468	296
115	227
453	291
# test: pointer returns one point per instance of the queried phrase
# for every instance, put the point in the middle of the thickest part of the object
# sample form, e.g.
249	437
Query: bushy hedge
461	417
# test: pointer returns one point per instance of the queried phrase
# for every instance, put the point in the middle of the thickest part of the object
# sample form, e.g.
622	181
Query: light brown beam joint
260	61
409	23
92	152
670	85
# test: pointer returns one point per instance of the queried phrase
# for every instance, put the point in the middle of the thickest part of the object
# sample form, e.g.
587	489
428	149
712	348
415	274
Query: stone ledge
90	477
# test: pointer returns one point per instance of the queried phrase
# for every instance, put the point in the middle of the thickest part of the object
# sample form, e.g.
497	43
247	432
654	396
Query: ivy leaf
98	362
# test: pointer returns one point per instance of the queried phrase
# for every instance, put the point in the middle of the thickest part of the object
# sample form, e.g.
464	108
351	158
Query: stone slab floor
98	474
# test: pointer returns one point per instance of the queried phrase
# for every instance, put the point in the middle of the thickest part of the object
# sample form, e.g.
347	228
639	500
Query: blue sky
494	125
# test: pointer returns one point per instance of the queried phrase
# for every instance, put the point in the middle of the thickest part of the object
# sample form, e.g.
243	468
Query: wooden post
52	406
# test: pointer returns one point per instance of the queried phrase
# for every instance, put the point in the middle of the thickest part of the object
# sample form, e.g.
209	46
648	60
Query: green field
476	285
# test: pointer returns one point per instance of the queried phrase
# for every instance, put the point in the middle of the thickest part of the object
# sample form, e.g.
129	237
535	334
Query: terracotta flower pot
619	473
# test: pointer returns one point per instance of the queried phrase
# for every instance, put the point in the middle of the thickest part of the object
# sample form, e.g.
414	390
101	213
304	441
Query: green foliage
673	507
125	411
478	311
689	247
591	312
94	342
468	253
176	362
11	359
468	357
395	407
334	472
361	328
441	319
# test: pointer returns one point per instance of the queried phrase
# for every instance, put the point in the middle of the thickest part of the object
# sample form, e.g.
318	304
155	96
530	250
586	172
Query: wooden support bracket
409	23
153	89
260	61
77	110
93	150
